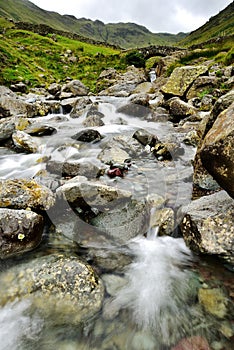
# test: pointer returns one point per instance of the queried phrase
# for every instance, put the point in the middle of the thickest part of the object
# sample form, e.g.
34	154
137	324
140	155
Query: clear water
152	287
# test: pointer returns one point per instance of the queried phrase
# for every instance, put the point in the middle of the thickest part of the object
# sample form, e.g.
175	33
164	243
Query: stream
151	281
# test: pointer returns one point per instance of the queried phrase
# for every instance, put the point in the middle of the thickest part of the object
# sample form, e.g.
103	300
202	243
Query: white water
16	326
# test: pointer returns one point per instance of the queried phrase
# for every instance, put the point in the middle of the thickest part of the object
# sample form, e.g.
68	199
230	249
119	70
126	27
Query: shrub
135	58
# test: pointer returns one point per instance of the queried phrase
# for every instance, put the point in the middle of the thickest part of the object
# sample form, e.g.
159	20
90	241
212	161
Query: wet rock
93	120
40	130
192	343
22	194
145	138
113	154
214	301
74	168
134	110
70	287
24	142
180	109
207	225
7	127
164	220
88	135
80	107
68	104
20	231
181	79
217	150
87	194
76	88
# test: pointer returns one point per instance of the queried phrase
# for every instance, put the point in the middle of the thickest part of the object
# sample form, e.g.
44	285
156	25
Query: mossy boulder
181	79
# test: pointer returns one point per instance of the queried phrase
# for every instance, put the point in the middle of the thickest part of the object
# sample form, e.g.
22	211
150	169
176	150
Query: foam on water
17	326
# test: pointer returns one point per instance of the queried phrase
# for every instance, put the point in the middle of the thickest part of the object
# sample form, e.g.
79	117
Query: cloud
156	15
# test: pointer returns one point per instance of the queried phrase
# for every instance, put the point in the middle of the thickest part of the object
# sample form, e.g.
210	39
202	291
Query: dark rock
20	231
88	135
145	138
19	87
40	130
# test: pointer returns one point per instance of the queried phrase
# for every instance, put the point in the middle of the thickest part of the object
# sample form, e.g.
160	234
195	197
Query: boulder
23	194
54	88
7	127
201	84
180	109
207	225
181	79
79	107
58	286
217	150
75	88
24	142
20	231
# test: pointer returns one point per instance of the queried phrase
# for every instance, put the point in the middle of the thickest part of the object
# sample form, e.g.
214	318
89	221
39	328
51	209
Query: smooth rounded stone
217	150
76	88
75	168
144	88
145	138
82	193
113	283
40	130
59	286
24	142
207	225
7	127
88	135
214	301
20	231
22	194
123	222
181	79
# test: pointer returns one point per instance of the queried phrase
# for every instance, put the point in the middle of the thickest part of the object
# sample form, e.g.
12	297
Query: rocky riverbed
116	212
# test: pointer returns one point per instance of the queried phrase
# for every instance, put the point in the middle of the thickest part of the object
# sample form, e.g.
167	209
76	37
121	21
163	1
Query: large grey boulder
207	225
57	285
217	151
23	194
20	231
75	88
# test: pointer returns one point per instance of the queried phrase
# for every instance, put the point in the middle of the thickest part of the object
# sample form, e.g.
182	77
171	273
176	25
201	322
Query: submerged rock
22	194
214	301
207	225
57	285
20	231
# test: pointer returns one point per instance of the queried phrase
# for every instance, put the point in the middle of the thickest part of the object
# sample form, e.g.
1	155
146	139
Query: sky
171	16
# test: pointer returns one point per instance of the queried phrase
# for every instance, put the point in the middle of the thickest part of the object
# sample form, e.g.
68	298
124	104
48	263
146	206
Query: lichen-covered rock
76	88
57	285
207	225
217	151
24	142
22	194
201	84
20	231
181	79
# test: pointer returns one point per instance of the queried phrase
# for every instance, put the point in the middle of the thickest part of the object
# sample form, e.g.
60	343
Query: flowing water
152	290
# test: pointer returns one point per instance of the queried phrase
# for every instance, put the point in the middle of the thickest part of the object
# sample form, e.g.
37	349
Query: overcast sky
171	16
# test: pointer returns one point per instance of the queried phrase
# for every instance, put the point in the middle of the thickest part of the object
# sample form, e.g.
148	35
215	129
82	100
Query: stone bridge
151	51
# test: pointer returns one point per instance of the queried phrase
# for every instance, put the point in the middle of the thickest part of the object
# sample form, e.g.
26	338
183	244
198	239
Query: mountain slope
220	25
126	35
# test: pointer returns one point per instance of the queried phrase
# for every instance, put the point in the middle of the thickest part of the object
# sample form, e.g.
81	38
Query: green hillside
126	35
39	60
218	26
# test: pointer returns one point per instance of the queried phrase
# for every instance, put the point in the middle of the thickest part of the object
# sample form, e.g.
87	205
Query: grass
40	60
